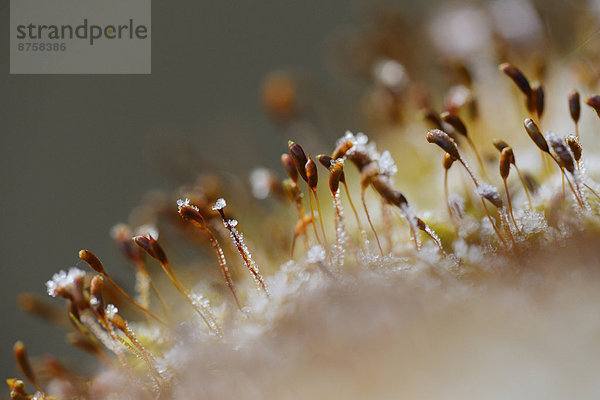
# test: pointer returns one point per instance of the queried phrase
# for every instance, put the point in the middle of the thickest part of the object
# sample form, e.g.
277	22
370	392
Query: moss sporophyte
447	282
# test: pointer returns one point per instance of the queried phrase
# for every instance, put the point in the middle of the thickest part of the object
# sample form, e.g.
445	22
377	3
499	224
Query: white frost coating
63	281
238	239
434	236
333	162
219	205
260	180
488	191
556	142
551	137
341	235
411	217
142	288
503	216
202	304
471	253
385	162
457	205
91	324
531	221
360	143
360	139
111	310
186	203
486	227
315	254
387	166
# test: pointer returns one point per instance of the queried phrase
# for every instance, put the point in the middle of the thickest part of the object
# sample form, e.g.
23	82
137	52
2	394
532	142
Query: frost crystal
315	254
387	166
186	203
457	204
62	281
362	146
260	180
219	205
341	235
489	192
111	310
551	137
238	240
359	142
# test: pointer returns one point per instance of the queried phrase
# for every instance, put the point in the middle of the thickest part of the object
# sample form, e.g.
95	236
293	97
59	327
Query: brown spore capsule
493	197
299	158
534	133
191	213
325	160
292	190
448	161
537	94
341	149
506	158
151	246
575	147
563	155
594	102
93	261
290	167
574	105
312	174
335	173
389	194
433	118
500	144
444	141
517	77
368	174
96	287
454	121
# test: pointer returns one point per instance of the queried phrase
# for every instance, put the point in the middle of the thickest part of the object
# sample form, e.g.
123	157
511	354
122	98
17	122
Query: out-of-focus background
79	152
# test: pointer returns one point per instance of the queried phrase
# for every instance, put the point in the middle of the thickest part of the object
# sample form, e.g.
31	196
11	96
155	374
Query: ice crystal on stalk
316	254
219	205
488	191
186	203
111	310
63	281
387	166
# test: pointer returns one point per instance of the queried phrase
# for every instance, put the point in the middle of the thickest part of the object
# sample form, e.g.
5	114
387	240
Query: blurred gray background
78	152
